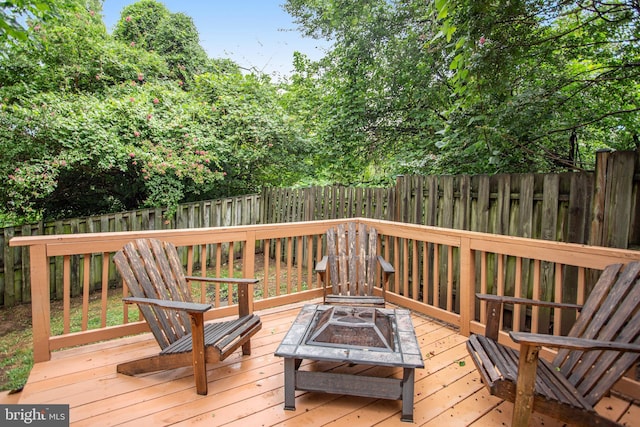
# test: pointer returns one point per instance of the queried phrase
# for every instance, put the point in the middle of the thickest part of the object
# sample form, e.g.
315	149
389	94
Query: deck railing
438	272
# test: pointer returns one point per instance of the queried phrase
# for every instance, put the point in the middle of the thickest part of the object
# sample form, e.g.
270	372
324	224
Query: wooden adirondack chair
352	262
601	346
153	273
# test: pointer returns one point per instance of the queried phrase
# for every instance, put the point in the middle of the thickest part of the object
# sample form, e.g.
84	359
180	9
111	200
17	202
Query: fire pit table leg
408	378
290	367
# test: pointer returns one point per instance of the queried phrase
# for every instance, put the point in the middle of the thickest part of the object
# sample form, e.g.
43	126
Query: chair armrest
385	265
232	280
571	343
190	307
245	306
526	301
321	266
494	309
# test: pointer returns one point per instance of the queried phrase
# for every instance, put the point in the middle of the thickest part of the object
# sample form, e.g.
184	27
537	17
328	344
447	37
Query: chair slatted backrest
152	269
611	313
352	257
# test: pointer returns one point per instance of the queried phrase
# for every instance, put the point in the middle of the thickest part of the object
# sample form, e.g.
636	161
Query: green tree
473	86
262	145
541	84
178	42
142	145
301	98
90	124
149	25
73	53
139	23
14	12
382	89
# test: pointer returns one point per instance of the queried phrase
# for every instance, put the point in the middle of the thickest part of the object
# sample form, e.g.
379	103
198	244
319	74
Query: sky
256	34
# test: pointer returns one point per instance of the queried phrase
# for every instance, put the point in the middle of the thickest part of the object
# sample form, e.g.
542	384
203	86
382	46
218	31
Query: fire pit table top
360	335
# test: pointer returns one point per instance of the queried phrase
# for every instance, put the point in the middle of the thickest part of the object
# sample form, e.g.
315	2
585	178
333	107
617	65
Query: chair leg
246	348
324	287
525	385
199	362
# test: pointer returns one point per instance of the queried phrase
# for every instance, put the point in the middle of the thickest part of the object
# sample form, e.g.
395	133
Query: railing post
467	286
40	302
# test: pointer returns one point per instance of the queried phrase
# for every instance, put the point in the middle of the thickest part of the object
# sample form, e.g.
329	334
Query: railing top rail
544	250
184	236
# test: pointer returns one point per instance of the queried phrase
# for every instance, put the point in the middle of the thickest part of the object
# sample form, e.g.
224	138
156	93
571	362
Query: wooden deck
248	391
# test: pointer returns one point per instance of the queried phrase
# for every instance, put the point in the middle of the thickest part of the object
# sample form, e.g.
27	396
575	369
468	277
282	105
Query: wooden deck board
248	390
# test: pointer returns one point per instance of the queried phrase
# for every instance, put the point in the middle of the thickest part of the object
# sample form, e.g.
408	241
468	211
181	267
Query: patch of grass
16	343
17	360
16	339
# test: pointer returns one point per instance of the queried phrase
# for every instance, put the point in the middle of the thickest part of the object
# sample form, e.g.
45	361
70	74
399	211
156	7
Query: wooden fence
15	287
596	208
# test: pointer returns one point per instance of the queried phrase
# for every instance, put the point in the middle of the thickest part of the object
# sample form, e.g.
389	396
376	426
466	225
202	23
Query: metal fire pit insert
352	327
361	336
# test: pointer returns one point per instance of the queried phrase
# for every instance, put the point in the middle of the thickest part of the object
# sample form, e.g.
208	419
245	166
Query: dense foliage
92	122
467	86
545	83
13	12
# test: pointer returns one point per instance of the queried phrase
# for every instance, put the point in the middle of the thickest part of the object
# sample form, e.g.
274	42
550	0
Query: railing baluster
557	317
86	289
230	264
436	275
425	272
203	273
319	254
582	273
500	283
299	263
278	256
104	283
216	286
517	292
289	263
265	280
415	270
405	267
483	284
450	278
66	294
535	311
189	260
310	263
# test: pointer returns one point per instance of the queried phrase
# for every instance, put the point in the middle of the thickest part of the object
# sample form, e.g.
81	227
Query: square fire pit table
354	335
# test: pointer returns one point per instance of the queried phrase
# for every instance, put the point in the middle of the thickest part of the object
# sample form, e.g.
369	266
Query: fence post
612	200
395	208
